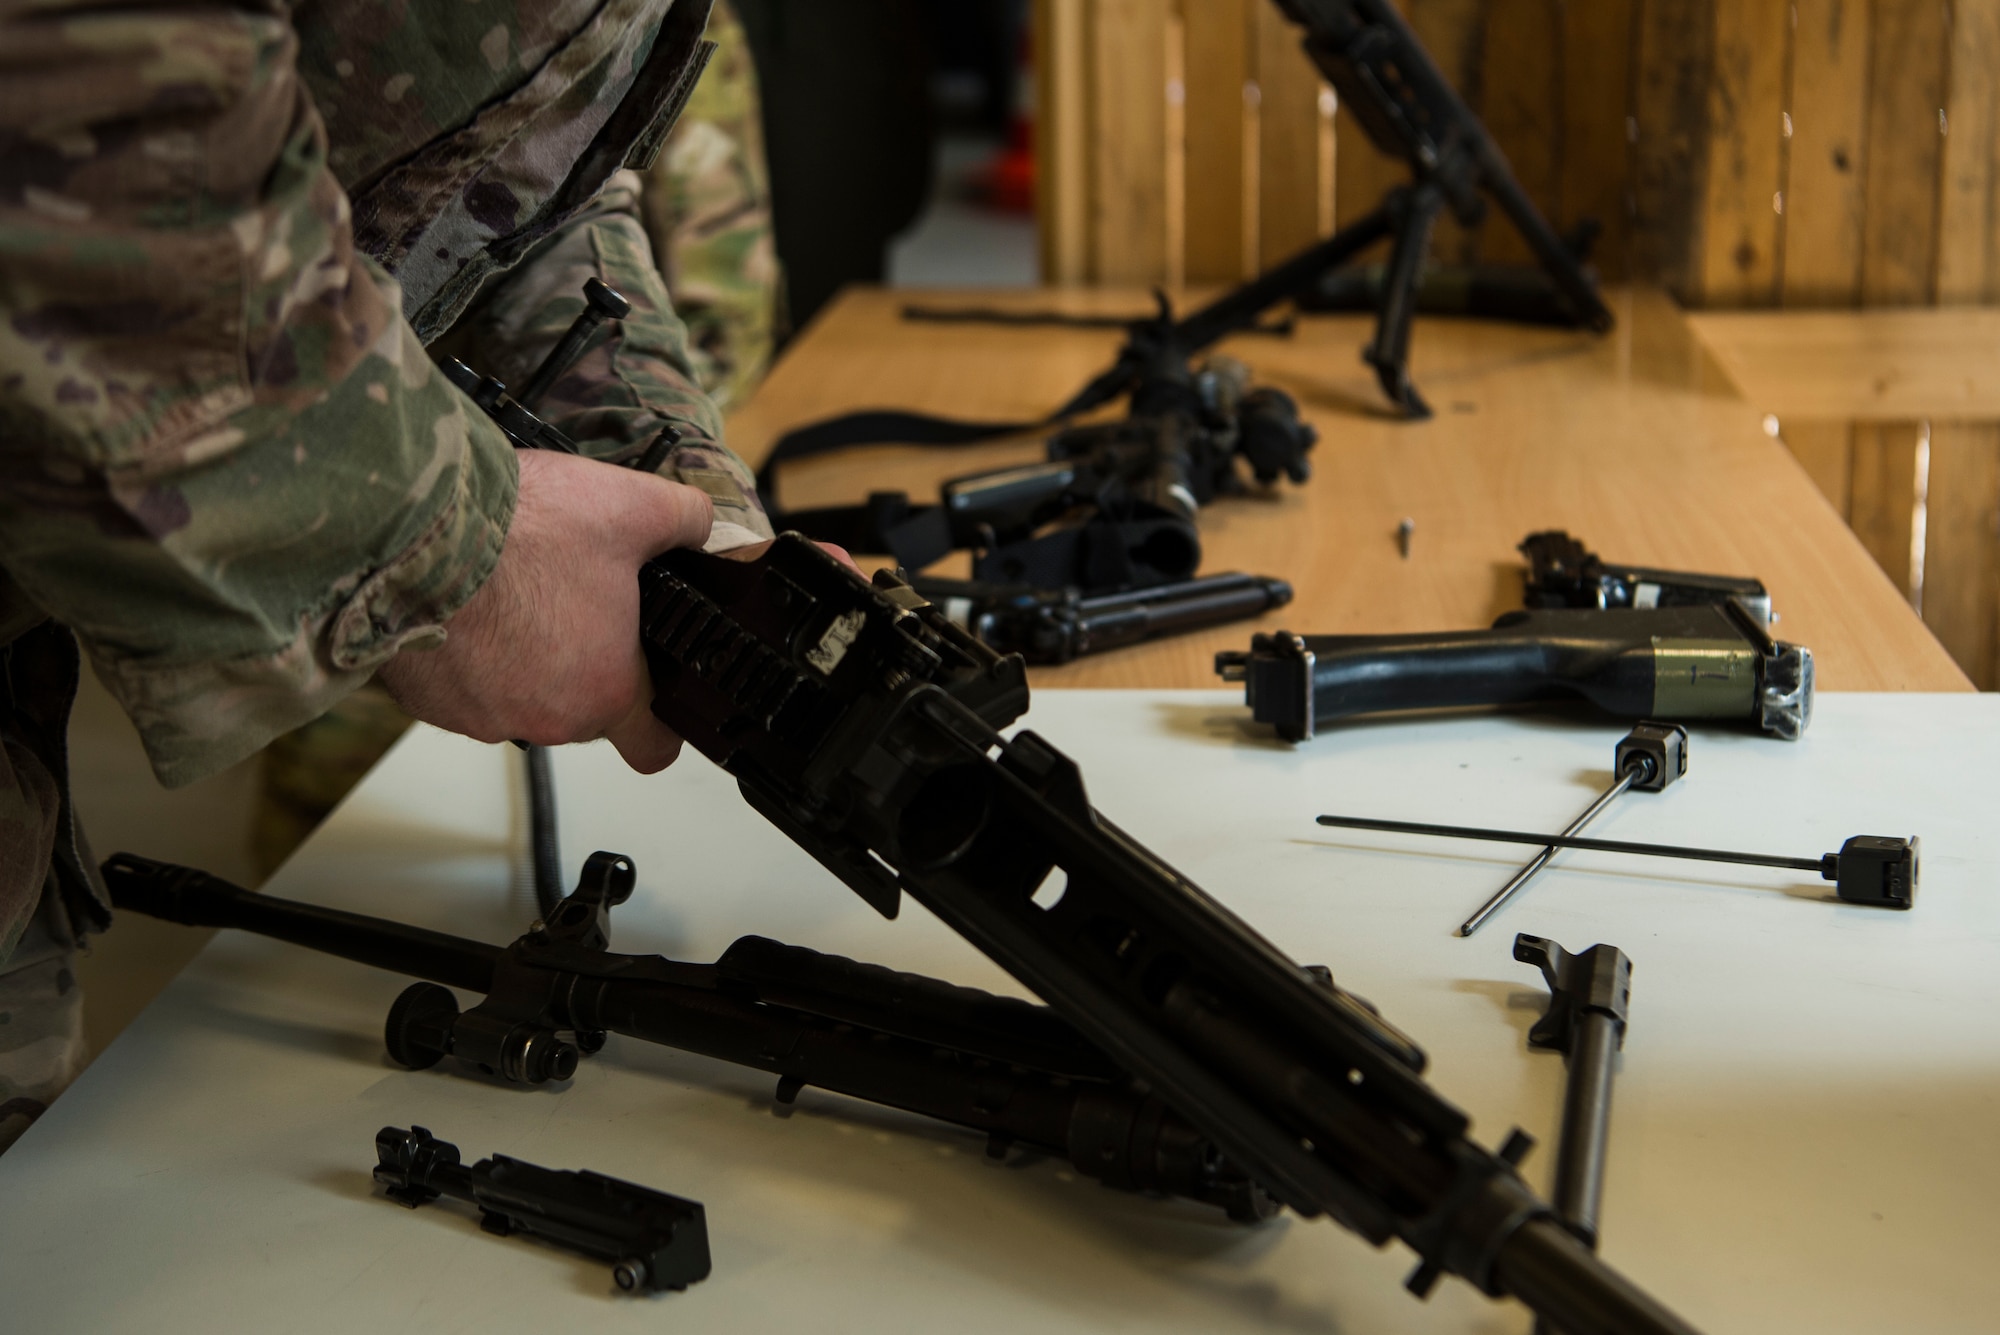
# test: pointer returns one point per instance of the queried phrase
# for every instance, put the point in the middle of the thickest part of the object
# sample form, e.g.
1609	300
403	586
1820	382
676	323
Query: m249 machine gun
1407	107
865	725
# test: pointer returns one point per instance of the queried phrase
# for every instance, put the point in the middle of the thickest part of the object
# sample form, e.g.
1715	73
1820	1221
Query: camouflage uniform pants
41	1023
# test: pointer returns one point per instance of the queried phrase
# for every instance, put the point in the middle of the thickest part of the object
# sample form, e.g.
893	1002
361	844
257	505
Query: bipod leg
1389	354
1238	308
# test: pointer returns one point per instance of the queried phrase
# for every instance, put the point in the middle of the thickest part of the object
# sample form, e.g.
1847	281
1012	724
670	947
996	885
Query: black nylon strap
915	535
888	426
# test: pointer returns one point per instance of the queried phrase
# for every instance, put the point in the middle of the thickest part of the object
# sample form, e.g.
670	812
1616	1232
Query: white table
1805	1136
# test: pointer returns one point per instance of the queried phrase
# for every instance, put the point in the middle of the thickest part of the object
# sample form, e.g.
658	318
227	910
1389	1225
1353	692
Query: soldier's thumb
663	515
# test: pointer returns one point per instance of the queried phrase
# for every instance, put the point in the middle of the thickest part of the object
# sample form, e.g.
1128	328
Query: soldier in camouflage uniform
707	208
228	465
706	205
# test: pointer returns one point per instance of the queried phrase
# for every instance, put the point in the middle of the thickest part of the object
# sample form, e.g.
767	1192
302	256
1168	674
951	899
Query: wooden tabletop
1635	442
1884	365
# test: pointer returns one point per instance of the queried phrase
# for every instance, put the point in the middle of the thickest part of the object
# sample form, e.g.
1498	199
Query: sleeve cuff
198	718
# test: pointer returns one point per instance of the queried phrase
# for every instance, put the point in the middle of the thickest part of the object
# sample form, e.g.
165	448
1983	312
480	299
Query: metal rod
600	303
545	854
1562	841
1541	859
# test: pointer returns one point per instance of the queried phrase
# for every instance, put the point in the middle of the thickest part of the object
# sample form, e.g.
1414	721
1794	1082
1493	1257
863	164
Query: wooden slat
1221	136
1824	169
1289	184
1906	91
1884	495
1826	451
1884	365
1740	220
1521	101
1129	225
1969	221
1175	88
1595	173
1670	111
1062	126
1962	548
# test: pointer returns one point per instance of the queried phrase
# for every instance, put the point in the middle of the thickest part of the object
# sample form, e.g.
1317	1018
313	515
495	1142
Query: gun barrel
197	899
1166	609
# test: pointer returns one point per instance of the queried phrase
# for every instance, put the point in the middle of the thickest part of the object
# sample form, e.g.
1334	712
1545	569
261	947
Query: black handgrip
908	1005
1367	674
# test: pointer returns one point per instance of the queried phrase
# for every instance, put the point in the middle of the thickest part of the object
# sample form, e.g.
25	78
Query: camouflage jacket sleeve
225	459
707	209
627	386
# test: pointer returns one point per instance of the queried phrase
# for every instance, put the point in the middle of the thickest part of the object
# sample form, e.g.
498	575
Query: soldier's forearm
230	465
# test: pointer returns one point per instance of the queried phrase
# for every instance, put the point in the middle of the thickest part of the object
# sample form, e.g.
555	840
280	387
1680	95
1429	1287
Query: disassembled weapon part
654	1241
1057	625
1562	572
1713	661
601	302
1869	868
1649	758
1588	998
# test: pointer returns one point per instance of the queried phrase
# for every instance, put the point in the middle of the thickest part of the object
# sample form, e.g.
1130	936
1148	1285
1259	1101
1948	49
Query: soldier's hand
548	650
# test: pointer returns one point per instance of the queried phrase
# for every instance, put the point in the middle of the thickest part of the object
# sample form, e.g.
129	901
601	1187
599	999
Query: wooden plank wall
1747	153
1870	127
1179	140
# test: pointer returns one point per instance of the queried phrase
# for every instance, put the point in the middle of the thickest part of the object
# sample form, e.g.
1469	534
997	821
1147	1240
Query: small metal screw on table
1649	758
